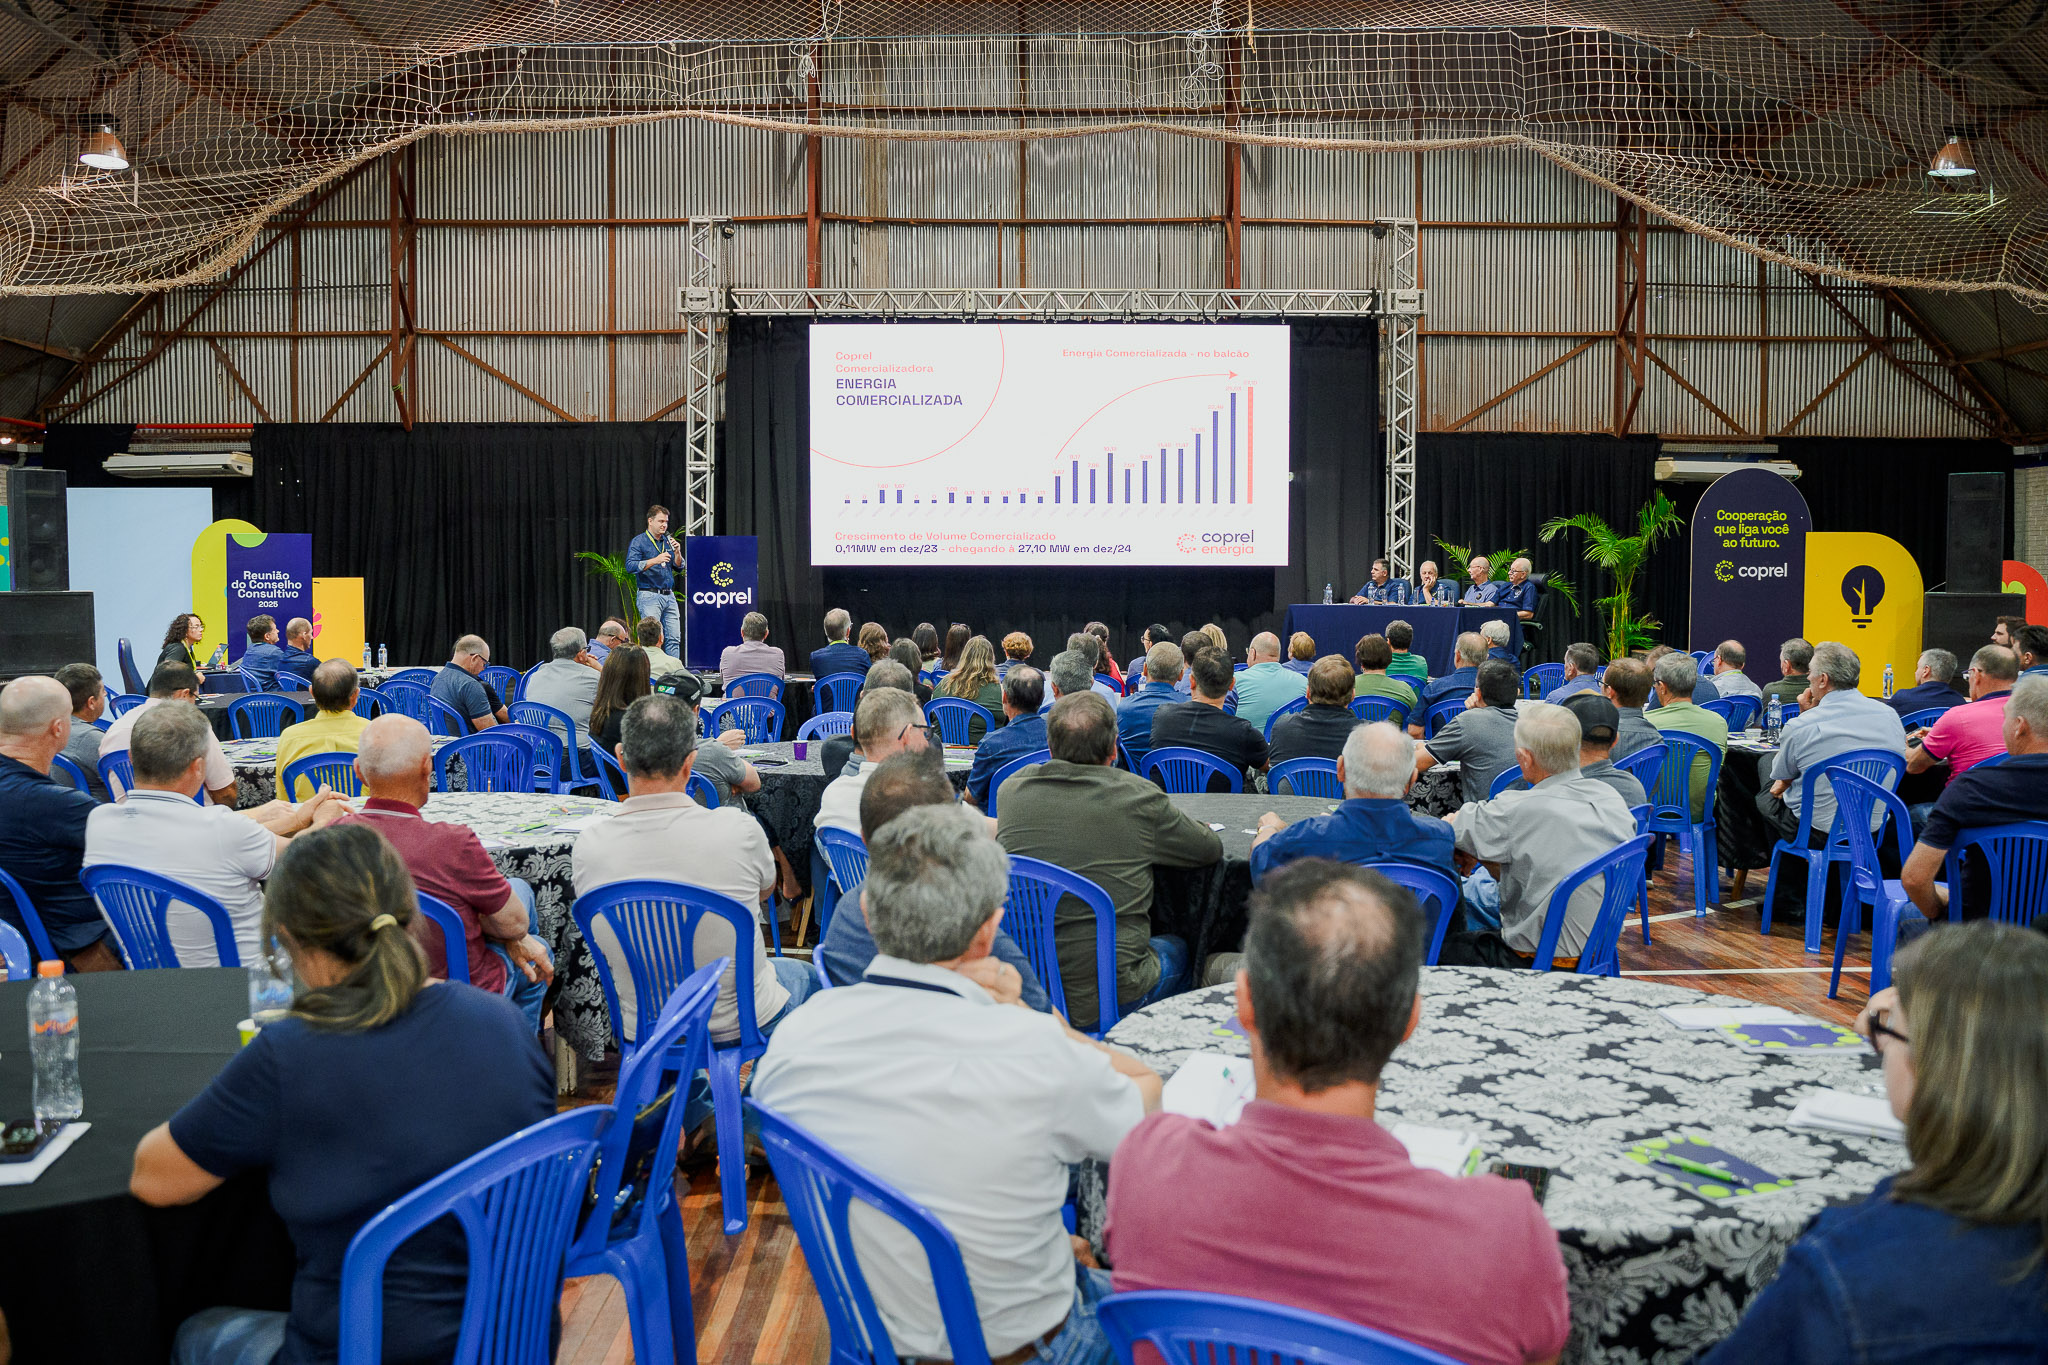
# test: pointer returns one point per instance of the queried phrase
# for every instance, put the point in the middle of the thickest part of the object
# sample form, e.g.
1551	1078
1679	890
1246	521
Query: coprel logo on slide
1221	544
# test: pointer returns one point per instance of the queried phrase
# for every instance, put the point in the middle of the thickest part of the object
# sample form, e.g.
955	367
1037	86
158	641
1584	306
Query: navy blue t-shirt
463	692
2006	794
42	844
348	1122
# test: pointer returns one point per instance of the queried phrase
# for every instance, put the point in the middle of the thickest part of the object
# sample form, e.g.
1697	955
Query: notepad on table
1837	1111
1209	1086
1720	1016
25	1172
1450	1150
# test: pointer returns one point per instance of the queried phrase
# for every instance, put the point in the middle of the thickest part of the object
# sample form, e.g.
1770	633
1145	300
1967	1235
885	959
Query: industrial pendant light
1952	162
103	150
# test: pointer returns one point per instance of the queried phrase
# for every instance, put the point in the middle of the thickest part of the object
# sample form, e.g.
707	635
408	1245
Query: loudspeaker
37	526
1961	622
40	632
1976	532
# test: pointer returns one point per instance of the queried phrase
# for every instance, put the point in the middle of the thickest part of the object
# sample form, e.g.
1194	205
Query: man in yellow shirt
334	728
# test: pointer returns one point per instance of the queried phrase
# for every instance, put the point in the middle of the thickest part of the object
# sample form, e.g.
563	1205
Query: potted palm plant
1623	557
614	568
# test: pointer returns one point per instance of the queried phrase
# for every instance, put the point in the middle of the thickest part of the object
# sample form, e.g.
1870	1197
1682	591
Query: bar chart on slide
1048	443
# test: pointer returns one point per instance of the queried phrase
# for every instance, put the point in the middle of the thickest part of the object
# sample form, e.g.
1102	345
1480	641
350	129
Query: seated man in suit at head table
1379	589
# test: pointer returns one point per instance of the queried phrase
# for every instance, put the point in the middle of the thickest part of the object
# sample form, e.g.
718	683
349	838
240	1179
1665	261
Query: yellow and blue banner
1863	590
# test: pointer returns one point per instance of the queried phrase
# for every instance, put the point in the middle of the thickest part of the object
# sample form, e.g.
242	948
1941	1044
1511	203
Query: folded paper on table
1838	1111
1450	1150
25	1172
1719	1016
1209	1086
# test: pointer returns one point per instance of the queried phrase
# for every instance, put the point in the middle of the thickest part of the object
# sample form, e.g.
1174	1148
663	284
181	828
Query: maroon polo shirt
448	862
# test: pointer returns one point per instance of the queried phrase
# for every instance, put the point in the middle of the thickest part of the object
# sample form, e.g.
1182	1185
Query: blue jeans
229	1336
529	996
1081	1342
801	981
662	607
1481	900
1173	970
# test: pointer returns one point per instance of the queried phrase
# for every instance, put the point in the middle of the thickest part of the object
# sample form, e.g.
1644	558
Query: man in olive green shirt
1795	656
1372	656
1677	675
1080	812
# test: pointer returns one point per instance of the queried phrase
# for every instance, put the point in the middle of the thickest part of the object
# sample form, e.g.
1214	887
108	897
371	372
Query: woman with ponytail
377	1081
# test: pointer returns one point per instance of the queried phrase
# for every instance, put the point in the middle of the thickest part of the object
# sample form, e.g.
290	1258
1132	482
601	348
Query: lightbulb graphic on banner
1862	589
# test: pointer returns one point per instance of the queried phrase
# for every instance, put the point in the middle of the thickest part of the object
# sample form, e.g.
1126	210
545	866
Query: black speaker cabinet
1976	532
1961	622
36	524
40	632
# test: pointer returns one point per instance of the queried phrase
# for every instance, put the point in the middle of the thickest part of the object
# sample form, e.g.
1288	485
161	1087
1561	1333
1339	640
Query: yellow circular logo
721	574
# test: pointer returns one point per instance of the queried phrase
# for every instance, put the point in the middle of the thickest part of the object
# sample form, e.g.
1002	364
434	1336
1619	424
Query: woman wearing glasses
1943	1262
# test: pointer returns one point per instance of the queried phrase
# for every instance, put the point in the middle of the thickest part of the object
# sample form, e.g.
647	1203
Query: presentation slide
1048	443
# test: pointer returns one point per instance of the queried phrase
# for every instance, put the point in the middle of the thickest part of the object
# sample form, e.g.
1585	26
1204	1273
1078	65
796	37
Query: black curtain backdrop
1334	519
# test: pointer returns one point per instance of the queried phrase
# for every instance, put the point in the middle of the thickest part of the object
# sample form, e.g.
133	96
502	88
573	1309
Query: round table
214	706
792	787
255	765
91	1273
1207	905
1567	1071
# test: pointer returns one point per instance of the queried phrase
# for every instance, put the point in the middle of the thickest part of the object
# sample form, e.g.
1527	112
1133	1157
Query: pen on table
1699	1168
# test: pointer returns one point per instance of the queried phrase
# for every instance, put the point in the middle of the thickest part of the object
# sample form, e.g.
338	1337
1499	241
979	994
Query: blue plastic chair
826	724
1285	709
761	719
550	764
1737	712
62	763
30	920
370	703
1880	765
1432	888
137	905
1036	889
1671	811
491	762
702	790
263	717
611	778
1506	781
2016	856
634	1231
819	1187
1702	657
14	948
517	1202
1992	761
527	677
1645	765
454	937
755	685
1857	799
1010	770
1371	709
839	691
131	676
1182	1325
1305	777
115	767
507	682
102	725
423	676
226	682
257	680
1925	716
1542	678
1440	715
121	703
846	864
336	772
955	717
655	925
569	745
1623	869
1181	769
410	697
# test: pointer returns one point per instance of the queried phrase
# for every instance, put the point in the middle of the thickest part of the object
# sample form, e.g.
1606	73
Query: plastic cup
799	748
248	1030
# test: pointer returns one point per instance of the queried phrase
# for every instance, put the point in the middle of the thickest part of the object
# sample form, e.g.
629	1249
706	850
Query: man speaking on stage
653	559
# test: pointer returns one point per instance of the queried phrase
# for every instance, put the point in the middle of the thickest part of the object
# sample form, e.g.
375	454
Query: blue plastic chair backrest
1010	770
14	949
137	904
1506	780
1285	709
226	682
1188	770
826	724
760	718
2017	856
1641	815
1702	657
75	775
1371	709
518	1201
1436	891
755	685
548	758
115	767
1622	867
846	855
1741	712
30	919
370	703
819	1187
554	720
1671	798
423	676
1644	765
1857	799
508	682
408	697
491	762
1439	715
1991	761
955	715
1879	765
121	703
1542	678
839	691
1305	777
1724	707
1182	1325
611	778
258	680
702	790
655	924
1036	890
1925	716
263	717
454	937
336	772
131	676
1787	710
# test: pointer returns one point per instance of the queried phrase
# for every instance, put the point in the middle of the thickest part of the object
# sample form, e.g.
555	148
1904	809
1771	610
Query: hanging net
1798	130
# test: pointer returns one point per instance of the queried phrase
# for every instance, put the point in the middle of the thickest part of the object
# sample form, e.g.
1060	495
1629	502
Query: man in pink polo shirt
1966	735
1326	993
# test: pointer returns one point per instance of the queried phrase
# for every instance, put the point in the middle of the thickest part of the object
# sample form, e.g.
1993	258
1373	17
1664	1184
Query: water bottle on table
383	656
1774	718
270	985
366	654
1887	682
53	1042
1329	594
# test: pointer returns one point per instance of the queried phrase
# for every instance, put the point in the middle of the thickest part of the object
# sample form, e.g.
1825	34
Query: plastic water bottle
383	656
53	1040
1774	718
366	654
1887	681
1329	594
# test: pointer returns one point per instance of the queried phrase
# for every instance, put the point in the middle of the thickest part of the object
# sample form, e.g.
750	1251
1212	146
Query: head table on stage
1337	629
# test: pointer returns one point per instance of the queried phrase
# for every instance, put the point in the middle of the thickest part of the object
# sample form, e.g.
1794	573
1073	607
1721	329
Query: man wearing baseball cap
1599	723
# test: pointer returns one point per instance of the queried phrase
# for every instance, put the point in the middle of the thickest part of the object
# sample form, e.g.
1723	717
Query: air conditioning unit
1704	462
179	462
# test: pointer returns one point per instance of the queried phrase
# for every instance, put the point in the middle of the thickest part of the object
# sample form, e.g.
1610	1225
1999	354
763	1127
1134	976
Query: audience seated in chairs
500	926
1627	684
1934	685
568	680
957	636
1795	656
1267	685
1581	673
876	1071
1480	738
1319	729
904	651
1730	658
1599	723
1966	735
1202	723
1024	732
839	753
176	682
299	659
2006	793
1163	665
886	721
376	1122
1470	652
610	635
1081	812
333	728
753	654
1092	649
1703	688
88	704
1536	839
925	636
907	779
263	657
1374	656
660	663
1191	644
1071	673
1677	694
1944	1261
838	655
43	823
1301	652
222	852
874	639
1328	989
974	679
1405	664
460	684
1016	650
1833	719
624	679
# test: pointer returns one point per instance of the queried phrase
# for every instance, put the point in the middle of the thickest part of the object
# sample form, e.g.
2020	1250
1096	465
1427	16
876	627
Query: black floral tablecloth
1207	905
255	765
1567	1071
791	789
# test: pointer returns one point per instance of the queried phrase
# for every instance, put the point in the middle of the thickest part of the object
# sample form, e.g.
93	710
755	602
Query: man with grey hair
753	654
1703	688
1069	675
1495	633
175	682
1934	685
1090	649
1676	679
161	828
838	655
1966	735
930	1075
839	753
1581	673
1730	658
460	684
1533	840
567	682
1794	657
1373	823
42	825
2009	793
1161	687
1023	731
1470	653
1518	594
1481	590
1834	717
1267	685
886	721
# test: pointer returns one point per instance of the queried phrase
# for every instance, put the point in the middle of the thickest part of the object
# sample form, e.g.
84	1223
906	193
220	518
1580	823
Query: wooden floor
753	1297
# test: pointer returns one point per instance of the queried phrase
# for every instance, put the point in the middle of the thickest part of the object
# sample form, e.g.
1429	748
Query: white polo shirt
669	837
970	1108
839	803
209	848
219	772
